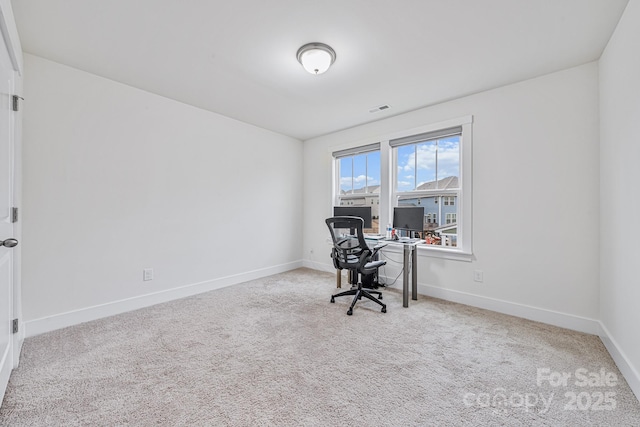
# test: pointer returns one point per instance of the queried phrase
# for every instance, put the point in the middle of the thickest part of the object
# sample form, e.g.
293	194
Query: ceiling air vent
379	108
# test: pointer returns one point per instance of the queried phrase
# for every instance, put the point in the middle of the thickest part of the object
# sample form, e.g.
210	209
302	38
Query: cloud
446	151
405	183
358	181
426	157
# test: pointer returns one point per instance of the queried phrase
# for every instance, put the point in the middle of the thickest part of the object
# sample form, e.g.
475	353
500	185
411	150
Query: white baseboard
563	320
63	320
556	318
17	345
623	363
314	265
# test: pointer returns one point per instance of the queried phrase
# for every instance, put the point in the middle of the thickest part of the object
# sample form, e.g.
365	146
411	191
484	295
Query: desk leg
414	273
405	275
338	278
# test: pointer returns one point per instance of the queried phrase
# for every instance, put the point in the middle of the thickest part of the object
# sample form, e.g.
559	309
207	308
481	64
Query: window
358	180
433	169
429	167
451	218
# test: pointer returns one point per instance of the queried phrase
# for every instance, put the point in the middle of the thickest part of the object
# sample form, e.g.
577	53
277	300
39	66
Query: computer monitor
410	218
363	212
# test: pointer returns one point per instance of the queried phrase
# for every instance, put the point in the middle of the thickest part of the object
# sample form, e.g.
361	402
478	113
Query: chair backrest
350	250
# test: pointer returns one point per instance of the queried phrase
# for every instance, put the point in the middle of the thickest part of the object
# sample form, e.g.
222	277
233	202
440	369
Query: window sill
431	252
444	253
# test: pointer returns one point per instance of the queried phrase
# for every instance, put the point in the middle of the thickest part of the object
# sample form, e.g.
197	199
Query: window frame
388	199
338	198
464	250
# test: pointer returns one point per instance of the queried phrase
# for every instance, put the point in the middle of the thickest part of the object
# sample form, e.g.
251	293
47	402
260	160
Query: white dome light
316	58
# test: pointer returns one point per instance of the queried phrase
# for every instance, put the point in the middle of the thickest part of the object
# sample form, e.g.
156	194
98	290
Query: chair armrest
377	247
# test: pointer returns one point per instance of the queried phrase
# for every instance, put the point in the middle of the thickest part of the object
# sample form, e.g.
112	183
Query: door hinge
14	326
16	102
14	214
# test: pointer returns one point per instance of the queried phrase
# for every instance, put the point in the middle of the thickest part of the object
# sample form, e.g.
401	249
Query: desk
409	252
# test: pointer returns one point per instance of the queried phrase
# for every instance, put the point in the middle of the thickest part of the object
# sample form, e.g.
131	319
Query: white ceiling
238	57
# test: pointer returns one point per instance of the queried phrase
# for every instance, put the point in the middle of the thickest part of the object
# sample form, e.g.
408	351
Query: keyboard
408	240
374	237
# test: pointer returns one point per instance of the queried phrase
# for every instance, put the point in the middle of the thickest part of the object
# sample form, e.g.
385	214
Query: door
6	224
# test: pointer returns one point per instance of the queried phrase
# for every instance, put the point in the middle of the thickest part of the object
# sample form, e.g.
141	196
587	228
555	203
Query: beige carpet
275	352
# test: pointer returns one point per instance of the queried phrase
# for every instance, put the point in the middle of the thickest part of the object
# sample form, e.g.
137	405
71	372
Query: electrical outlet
147	274
478	275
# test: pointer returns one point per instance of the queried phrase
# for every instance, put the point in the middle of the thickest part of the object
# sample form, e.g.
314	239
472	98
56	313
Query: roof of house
373	189
447	183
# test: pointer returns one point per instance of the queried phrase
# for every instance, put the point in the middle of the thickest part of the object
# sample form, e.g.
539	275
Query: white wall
117	179
535	198
620	199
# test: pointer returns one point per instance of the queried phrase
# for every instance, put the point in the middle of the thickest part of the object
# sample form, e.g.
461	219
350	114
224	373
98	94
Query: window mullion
352	180
366	173
415	167
437	164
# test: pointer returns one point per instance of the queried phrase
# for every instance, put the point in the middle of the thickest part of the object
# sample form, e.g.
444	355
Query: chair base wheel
357	294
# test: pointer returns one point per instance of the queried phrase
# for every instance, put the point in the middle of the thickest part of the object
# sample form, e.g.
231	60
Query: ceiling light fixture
316	58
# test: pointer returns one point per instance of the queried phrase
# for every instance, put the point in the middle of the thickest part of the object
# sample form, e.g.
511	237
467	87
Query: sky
416	165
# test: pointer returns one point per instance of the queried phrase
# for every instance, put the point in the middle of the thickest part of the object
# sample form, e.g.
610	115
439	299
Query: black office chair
351	252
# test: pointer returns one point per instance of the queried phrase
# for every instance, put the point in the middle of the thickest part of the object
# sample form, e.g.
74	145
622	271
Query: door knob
9	243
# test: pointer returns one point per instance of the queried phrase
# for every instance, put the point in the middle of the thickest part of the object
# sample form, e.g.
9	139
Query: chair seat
372	266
